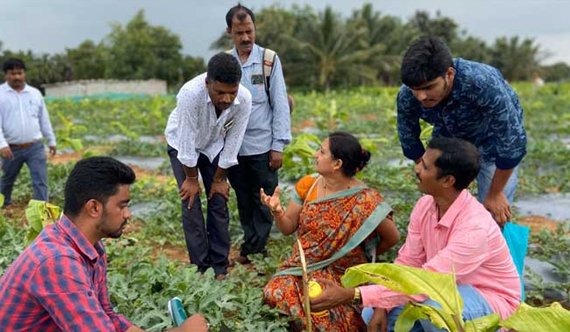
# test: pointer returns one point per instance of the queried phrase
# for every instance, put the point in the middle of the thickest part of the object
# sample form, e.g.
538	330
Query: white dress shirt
194	128
23	116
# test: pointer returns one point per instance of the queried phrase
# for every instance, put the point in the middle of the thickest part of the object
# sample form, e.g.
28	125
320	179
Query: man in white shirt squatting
204	134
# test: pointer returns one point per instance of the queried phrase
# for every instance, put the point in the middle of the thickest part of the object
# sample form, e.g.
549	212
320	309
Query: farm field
149	264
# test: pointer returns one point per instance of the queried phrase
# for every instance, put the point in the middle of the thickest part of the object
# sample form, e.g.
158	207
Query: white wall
95	87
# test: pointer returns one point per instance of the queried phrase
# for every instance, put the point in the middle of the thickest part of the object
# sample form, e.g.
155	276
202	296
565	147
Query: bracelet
192	177
357	299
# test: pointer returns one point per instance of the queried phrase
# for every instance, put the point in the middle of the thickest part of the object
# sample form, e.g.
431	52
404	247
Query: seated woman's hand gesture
272	202
286	220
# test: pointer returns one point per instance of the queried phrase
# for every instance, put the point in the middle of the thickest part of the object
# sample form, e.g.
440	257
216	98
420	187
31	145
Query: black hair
224	68
241	11
458	158
346	147
94	178
425	60
13	64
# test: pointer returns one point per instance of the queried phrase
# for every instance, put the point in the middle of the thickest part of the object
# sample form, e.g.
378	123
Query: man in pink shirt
449	231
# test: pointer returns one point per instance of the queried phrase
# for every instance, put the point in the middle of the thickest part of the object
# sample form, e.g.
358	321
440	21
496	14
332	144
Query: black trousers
208	243
246	178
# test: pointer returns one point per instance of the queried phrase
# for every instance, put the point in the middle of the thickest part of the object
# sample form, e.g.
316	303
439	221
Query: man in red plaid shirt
59	283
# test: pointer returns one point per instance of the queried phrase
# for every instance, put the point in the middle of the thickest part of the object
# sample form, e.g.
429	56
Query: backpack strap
268	60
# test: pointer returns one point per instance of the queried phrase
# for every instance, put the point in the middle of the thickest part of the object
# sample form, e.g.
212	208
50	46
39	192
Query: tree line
136	50
319	50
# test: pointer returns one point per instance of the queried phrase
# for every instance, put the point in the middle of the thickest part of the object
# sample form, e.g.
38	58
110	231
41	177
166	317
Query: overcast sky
49	26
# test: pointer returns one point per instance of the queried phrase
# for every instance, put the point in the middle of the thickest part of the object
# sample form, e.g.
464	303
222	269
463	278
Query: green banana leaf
303	145
123	129
74	143
439	287
66	130
488	323
426	132
39	214
553	319
408	280
414	311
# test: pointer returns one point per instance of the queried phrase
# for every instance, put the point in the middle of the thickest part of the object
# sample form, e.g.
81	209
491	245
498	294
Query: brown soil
75	156
180	254
16	211
133	227
64	158
302	125
536	223
172	252
370	117
140	172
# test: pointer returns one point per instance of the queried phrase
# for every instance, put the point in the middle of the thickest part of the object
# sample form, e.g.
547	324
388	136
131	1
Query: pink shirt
466	240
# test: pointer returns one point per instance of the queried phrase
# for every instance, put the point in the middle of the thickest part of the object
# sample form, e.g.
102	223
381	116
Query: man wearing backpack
267	133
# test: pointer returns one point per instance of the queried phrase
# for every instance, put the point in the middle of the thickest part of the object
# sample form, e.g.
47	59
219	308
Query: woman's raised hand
272	202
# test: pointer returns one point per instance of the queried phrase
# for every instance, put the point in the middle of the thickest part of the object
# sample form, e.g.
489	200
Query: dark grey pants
208	243
246	178
33	156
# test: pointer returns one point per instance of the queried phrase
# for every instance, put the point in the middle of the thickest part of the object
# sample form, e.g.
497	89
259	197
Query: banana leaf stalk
305	287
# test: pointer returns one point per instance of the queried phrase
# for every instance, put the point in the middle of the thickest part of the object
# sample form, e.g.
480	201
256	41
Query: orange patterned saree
327	226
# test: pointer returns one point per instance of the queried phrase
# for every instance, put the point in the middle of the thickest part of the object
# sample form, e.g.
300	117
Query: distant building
85	88
537	80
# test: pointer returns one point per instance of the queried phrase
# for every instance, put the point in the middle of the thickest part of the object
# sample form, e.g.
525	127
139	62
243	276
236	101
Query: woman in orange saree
337	218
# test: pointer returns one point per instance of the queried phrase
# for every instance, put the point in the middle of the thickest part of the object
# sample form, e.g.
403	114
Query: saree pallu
325	226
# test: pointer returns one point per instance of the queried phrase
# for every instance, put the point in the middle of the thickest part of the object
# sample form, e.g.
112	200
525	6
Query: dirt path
75	156
537	223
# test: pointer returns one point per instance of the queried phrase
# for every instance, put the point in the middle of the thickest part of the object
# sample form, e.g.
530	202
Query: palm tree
516	59
388	38
332	51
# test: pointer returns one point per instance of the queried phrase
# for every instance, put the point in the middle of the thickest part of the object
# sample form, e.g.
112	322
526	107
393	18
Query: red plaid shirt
59	283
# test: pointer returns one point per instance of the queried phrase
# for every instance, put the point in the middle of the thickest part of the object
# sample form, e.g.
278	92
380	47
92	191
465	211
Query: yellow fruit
315	289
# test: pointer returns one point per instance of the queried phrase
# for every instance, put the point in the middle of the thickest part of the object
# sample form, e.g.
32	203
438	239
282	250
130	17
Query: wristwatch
357	299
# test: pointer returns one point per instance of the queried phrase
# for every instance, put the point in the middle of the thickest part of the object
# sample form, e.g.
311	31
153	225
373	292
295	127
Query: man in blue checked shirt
468	100
24	121
267	133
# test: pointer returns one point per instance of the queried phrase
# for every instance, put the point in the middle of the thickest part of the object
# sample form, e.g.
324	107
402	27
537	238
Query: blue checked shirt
269	126
482	109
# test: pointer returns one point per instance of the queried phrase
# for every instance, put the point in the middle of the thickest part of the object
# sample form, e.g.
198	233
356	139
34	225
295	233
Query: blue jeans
474	306
208	243
485	177
34	157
